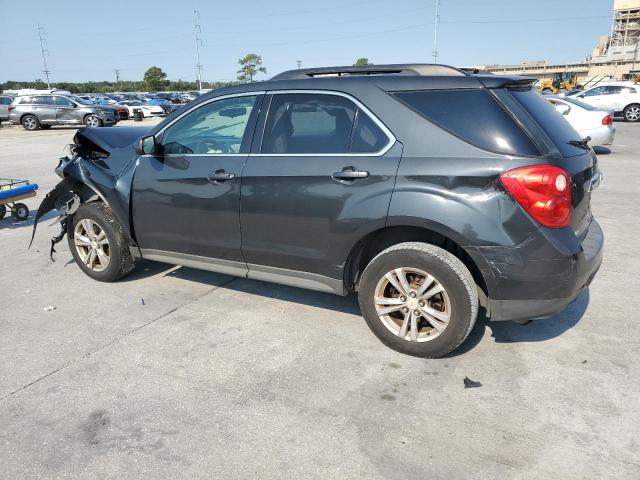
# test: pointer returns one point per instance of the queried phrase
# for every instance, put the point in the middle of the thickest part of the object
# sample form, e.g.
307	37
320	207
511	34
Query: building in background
616	56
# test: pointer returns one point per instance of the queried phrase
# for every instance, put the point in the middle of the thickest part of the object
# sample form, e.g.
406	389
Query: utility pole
197	31
299	62
45	53
117	73
435	34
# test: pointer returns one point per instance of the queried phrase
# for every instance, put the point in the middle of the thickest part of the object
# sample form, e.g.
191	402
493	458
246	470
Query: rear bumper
542	276
603	135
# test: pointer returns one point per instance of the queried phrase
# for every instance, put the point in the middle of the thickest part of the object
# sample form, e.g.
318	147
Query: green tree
362	62
250	66
154	79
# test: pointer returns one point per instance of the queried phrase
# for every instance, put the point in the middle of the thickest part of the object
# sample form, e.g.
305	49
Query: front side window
44	100
62	102
219	127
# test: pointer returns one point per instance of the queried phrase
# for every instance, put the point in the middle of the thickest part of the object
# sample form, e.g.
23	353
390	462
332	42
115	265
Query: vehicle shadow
534	331
9	223
601	150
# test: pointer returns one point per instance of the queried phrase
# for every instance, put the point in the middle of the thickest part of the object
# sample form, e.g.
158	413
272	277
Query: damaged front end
99	167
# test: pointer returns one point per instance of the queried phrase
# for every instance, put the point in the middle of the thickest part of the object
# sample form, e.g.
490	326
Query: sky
87	42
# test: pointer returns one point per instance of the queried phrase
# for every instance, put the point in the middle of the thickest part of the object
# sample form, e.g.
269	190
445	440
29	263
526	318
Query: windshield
586	106
81	101
561	133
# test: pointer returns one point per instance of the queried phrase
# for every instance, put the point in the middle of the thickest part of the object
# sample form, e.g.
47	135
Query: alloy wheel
92	245
92	121
412	304
29	123
633	114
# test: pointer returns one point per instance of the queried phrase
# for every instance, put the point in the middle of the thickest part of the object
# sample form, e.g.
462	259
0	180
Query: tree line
154	80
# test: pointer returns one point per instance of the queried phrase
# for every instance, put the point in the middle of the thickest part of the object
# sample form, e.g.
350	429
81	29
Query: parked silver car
43	111
5	101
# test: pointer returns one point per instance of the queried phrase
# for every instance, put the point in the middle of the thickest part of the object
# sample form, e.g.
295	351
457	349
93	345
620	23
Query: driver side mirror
145	145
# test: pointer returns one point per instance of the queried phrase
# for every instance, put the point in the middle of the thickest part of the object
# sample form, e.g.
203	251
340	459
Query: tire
92	121
631	113
30	122
3	211
455	300
97	218
20	212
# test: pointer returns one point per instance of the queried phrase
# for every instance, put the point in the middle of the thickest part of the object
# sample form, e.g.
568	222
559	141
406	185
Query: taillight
608	120
11	107
544	191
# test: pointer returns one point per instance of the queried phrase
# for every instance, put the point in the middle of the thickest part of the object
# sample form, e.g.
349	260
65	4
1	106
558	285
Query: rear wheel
98	243
92	121
418	299
30	122
3	211
20	212
632	113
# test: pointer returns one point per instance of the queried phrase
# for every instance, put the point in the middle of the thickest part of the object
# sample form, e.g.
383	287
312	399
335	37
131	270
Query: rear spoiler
491	81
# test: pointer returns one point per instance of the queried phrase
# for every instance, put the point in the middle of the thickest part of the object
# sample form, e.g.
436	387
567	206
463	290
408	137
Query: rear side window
553	123
474	116
367	136
308	123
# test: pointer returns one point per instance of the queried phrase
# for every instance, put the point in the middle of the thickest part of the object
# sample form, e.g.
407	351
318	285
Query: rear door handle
349	174
220	176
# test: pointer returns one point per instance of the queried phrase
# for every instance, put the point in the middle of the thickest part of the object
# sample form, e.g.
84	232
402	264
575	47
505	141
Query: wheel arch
375	242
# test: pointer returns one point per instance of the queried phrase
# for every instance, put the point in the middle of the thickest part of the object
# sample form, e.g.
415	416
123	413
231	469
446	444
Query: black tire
3	211
120	262
20	212
631	113
92	120
452	275
30	122
45	127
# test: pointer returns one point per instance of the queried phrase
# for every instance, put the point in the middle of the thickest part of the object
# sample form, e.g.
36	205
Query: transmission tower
117	74
197	31
45	53
435	33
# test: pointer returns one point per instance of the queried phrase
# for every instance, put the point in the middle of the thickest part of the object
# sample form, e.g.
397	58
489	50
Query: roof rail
411	69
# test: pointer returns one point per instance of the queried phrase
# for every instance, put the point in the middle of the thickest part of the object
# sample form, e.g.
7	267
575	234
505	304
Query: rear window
475	116
553	123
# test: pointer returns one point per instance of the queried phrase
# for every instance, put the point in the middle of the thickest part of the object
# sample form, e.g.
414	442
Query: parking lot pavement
177	373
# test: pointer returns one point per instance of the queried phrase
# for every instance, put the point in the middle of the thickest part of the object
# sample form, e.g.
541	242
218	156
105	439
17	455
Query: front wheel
92	121
98	243
418	299
20	212
632	113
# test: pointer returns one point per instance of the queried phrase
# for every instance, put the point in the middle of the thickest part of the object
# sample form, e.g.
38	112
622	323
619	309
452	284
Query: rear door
44	108
319	178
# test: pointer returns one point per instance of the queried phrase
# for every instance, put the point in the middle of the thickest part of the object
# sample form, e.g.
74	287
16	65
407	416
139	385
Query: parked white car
587	120
147	110
623	98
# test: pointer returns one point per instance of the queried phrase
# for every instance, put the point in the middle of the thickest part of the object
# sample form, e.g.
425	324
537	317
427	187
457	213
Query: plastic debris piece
468	383
141	301
49	308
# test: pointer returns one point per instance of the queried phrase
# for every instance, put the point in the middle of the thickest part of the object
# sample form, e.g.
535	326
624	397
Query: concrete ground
178	373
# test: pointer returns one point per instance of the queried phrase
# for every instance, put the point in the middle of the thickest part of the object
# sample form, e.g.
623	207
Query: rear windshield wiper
584	143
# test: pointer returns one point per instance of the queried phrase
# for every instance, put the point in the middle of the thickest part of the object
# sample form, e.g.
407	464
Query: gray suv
430	192
43	111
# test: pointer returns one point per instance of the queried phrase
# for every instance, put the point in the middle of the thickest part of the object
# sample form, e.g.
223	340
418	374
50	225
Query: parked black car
427	190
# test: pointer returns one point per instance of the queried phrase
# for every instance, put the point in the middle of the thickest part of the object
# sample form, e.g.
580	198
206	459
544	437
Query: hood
108	139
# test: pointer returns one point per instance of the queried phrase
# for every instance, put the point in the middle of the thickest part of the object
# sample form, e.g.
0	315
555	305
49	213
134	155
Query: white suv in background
623	98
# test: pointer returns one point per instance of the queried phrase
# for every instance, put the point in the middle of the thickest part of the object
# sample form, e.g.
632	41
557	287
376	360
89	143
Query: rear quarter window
474	116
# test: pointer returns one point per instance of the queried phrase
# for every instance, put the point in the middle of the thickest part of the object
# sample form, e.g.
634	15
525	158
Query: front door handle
349	174
220	176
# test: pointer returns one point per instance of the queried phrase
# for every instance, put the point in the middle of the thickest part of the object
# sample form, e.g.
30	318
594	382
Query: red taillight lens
544	191
11	107
608	120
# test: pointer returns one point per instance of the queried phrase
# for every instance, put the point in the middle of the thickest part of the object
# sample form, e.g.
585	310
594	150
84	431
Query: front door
186	198
321	178
66	111
44	109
